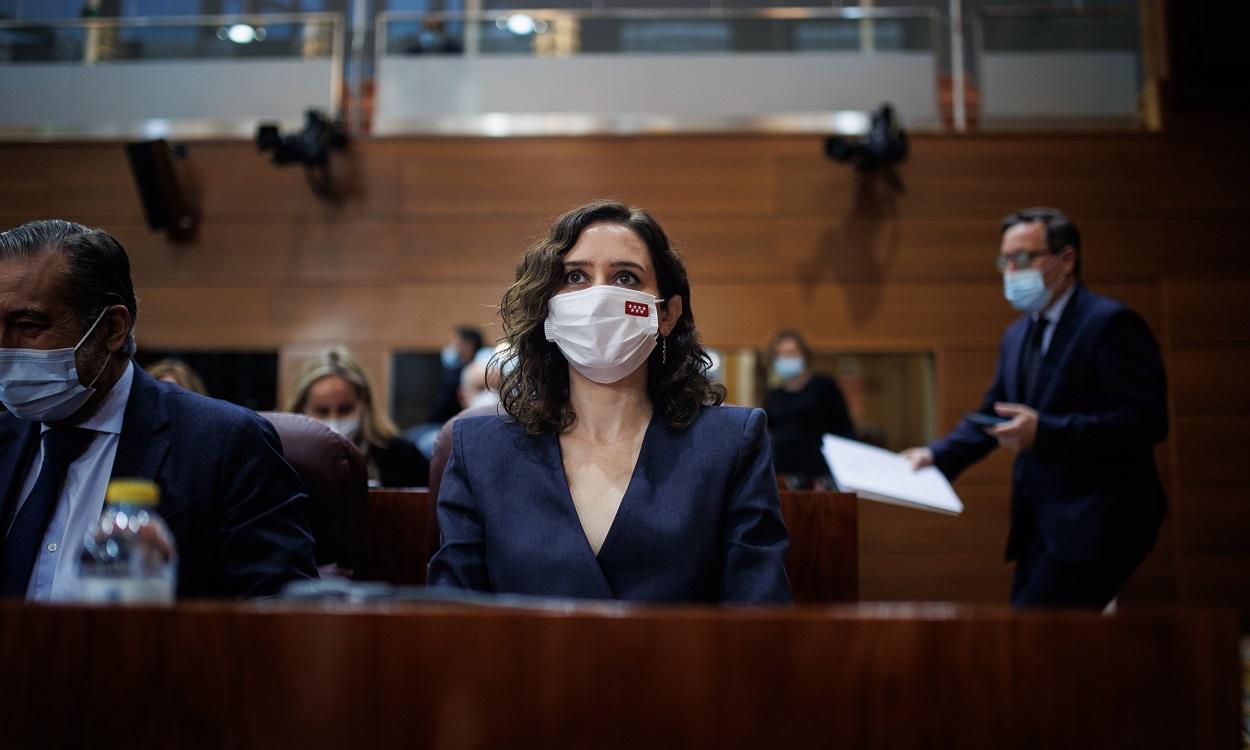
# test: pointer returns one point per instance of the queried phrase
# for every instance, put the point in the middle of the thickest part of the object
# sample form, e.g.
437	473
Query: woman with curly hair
616	473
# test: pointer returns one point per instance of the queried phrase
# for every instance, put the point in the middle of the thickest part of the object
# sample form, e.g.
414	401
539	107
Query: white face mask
347	426
484	397
788	367
605	332
42	385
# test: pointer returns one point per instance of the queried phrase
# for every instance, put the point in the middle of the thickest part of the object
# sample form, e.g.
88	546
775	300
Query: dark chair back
823	563
336	477
402	536
442	443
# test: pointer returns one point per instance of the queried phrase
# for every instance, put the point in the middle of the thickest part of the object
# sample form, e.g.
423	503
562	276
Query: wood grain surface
872	676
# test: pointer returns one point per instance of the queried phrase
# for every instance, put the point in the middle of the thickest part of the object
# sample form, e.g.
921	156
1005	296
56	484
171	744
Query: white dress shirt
54	577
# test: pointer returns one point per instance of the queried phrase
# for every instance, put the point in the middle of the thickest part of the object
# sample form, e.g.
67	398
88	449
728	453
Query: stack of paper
885	476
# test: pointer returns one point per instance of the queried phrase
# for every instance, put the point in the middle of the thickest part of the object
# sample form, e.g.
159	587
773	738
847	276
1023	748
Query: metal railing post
958	74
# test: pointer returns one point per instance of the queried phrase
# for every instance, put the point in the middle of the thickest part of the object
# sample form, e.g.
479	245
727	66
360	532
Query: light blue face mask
788	367
450	357
42	385
1026	289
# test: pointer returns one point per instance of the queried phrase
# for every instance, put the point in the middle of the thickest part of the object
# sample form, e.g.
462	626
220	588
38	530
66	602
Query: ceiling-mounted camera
879	150
311	147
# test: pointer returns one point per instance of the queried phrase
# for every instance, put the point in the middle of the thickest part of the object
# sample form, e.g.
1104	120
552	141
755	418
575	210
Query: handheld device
985	420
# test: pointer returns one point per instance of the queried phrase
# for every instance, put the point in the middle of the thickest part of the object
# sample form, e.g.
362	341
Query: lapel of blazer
1061	344
620	550
144	439
1013	344
19	439
590	574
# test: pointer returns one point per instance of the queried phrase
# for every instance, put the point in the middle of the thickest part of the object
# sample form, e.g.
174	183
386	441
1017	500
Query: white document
877	474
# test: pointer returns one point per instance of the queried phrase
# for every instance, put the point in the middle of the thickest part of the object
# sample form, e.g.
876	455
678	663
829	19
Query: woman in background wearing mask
615	474
802	409
334	390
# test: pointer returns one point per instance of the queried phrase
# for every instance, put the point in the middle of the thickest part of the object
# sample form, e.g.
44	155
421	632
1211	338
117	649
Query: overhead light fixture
242	33
521	24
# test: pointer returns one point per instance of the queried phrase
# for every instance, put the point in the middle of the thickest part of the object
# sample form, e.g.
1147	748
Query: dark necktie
60	447
1031	360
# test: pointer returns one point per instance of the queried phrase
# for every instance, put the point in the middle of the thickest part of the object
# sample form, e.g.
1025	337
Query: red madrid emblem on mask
637	309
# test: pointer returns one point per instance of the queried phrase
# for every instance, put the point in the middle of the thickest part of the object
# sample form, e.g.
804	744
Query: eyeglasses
1021	259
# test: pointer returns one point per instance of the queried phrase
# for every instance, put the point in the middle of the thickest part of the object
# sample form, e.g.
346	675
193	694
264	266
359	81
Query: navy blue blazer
700	520
233	503
1088	485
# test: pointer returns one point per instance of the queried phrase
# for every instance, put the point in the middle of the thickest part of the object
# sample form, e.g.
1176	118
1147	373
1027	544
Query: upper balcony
604	68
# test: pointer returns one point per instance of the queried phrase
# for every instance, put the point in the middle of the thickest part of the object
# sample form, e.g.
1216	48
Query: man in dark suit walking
1081	391
79	412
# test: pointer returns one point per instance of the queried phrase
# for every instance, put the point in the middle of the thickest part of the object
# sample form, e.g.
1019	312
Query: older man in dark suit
79	413
1081	393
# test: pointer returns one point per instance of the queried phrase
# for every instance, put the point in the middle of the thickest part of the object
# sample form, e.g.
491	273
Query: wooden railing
312	676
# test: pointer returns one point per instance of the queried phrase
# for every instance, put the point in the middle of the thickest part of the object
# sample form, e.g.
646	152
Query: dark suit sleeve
461	560
263	535
969	443
755	540
1133	387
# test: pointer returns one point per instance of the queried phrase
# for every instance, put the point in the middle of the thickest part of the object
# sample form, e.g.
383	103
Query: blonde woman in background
179	373
334	390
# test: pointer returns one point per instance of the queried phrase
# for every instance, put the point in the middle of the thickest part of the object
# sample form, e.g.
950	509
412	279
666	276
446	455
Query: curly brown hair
535	390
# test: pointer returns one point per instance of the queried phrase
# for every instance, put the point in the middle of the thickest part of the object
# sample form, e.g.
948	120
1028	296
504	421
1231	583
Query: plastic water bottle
128	555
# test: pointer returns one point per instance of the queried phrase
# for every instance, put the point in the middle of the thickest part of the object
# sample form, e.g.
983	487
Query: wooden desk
217	675
823	562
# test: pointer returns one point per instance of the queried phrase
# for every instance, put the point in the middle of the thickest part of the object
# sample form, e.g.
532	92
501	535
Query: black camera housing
311	146
884	146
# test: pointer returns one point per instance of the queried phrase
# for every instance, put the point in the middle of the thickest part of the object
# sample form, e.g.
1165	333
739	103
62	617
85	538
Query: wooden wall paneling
981	528
916	576
1209	381
369	251
775	236
1208	449
984	182
545	176
1216	521
858	243
966	376
745	314
81	182
1215	579
1157	579
1207	247
1209	313
408	315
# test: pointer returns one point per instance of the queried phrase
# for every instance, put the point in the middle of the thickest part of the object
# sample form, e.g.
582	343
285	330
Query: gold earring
664	350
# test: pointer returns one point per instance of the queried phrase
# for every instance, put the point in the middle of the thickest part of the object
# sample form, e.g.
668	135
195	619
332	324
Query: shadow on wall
858	252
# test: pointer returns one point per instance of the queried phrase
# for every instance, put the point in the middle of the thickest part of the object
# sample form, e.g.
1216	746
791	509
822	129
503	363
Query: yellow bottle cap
133	491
